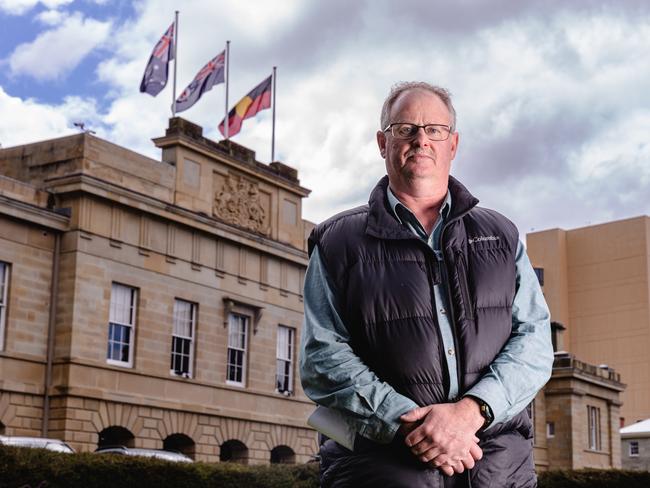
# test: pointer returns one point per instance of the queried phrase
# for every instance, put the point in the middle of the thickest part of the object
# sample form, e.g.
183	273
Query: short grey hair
404	86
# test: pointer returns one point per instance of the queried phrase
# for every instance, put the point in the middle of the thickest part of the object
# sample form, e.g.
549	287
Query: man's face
408	160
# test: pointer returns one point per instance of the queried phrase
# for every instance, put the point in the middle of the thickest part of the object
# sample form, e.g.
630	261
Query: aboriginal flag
258	99
155	74
211	74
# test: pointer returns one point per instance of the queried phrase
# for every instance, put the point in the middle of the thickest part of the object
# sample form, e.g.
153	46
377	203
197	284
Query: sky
553	97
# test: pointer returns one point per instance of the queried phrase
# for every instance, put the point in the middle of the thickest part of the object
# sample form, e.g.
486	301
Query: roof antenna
82	127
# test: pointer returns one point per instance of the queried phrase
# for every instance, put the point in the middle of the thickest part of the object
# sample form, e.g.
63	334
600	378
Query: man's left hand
446	434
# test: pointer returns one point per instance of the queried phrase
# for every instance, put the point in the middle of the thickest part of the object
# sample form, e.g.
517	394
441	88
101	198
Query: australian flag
155	74
210	75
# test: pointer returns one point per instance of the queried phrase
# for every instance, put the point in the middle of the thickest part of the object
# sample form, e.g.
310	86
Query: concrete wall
640	462
600	292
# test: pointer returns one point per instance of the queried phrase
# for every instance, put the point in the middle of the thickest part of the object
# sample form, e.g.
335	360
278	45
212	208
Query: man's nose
421	139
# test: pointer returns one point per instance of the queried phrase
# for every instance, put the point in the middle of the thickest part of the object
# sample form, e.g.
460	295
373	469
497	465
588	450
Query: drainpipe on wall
54	292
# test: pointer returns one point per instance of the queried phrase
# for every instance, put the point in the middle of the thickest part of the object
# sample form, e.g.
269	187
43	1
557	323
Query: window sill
185	376
121	364
597	451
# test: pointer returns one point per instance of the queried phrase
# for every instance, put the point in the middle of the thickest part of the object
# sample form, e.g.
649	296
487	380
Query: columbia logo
473	240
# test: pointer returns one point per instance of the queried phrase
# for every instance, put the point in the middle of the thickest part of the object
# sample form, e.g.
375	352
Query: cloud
550	95
51	17
535	90
57	51
19	7
32	121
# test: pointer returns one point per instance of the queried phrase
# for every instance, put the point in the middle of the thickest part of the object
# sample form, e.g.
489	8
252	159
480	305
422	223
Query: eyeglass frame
389	127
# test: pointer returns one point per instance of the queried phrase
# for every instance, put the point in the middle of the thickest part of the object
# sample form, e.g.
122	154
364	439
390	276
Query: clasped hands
444	435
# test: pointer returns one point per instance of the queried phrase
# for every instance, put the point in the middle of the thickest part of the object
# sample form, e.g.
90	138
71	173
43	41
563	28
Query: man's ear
455	139
381	142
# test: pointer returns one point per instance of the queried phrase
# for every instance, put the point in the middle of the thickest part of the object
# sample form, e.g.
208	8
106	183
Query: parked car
173	456
55	445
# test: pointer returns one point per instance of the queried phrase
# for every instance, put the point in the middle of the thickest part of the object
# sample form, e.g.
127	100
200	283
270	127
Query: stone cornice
578	374
82	183
32	213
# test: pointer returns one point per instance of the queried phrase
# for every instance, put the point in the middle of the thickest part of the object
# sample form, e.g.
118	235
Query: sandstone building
153	303
576	417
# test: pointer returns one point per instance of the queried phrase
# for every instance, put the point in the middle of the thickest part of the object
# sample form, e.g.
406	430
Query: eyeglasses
435	132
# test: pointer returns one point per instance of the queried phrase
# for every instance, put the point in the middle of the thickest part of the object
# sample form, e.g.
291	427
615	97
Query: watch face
486	412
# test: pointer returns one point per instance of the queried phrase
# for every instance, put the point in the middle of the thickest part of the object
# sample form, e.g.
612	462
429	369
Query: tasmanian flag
258	99
155	74
210	75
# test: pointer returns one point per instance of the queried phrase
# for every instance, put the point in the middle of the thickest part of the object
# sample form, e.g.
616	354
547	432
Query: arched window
116	436
234	451
282	455
180	443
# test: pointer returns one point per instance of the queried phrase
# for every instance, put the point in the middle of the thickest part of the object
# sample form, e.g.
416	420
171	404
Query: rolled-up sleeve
525	363
333	375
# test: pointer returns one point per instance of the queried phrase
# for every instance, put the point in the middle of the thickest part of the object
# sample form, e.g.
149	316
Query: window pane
119	342
121	304
182	333
282	342
3	278
235	365
115	353
237	331
237	343
183	318
284	354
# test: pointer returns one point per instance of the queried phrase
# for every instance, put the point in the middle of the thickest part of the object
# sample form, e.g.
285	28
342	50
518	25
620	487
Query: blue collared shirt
334	376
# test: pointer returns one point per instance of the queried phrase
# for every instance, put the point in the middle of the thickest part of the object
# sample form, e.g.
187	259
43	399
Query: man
426	331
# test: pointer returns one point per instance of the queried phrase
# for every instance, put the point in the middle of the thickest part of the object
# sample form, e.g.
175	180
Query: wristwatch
485	410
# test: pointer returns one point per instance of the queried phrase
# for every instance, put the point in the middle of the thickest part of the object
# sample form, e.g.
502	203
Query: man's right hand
444	436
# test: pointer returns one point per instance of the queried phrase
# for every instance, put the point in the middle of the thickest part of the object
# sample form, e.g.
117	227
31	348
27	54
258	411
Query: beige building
153	303
596	282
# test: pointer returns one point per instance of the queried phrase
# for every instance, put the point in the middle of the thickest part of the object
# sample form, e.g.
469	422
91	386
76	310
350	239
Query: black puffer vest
383	275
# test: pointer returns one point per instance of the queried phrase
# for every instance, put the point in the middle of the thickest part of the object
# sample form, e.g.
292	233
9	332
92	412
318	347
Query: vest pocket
464	287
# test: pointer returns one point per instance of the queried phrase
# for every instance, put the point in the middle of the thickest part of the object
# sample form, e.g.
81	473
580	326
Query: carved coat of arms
238	203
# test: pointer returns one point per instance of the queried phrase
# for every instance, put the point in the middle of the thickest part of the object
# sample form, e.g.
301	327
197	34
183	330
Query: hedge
594	478
38	468
21	467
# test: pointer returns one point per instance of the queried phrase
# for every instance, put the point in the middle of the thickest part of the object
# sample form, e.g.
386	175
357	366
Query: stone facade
209	226
583	408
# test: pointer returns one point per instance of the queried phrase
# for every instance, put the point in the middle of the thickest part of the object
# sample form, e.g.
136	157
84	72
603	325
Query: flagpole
175	64
274	78
226	132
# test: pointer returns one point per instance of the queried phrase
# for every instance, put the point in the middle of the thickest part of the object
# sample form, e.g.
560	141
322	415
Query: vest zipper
431	275
450	302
